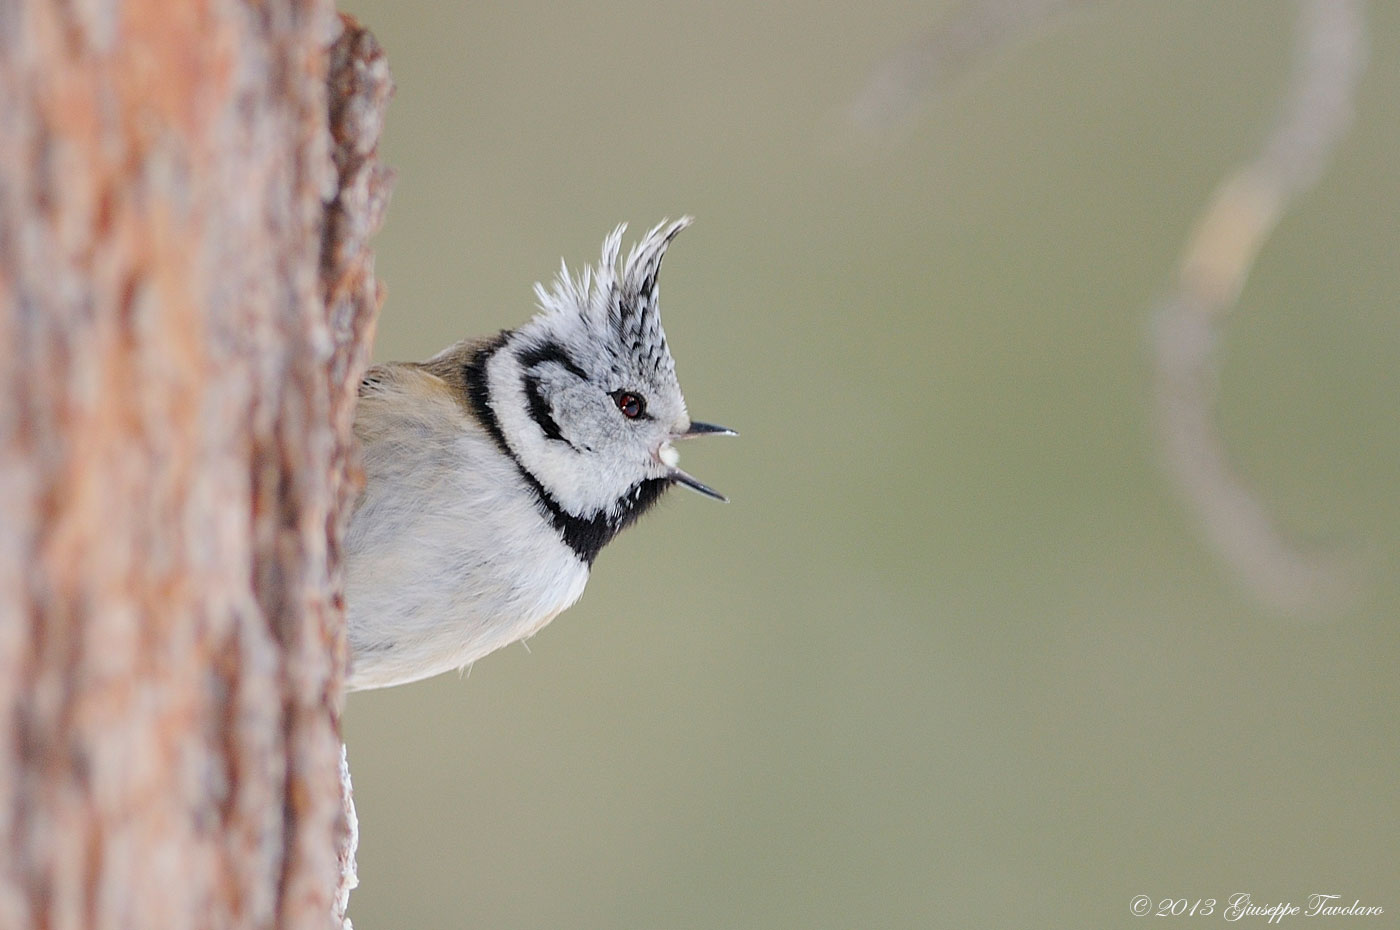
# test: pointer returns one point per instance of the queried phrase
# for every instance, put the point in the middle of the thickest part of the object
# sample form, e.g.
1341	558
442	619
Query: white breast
448	556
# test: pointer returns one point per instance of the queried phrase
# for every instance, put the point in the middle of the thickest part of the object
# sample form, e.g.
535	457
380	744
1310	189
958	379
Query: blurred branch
1316	113
971	34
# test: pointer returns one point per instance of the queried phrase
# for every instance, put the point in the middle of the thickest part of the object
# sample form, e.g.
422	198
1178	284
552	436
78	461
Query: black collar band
585	536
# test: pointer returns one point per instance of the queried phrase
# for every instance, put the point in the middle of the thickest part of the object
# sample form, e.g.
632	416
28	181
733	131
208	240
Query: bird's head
592	407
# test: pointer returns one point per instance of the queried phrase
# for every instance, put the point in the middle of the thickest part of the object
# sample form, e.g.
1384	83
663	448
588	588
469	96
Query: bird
497	470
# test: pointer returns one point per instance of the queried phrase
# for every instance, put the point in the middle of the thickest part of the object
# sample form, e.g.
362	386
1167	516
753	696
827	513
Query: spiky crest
621	313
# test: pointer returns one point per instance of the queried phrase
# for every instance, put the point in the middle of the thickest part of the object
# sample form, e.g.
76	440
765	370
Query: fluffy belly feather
432	591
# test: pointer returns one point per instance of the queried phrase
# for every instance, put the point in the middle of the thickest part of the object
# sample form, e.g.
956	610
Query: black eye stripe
586	536
539	410
533	355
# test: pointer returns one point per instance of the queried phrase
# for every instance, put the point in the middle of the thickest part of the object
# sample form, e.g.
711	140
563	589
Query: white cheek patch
668	455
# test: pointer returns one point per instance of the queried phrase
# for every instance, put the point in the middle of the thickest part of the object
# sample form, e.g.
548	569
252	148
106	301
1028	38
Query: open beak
669	457
705	429
680	477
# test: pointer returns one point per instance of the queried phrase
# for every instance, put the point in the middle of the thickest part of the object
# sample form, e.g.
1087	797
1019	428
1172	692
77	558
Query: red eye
631	405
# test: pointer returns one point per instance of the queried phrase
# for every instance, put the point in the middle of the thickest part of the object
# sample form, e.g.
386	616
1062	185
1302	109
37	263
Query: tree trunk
186	306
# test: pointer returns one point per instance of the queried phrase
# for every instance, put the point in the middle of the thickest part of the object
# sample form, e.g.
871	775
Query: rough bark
186	303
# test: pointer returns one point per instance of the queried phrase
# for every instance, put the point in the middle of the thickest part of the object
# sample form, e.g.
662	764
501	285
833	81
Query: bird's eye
631	405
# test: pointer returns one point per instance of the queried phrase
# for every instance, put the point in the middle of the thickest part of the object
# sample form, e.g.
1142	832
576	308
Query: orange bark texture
187	301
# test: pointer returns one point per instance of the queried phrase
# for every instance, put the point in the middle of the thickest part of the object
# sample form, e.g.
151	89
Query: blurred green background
956	655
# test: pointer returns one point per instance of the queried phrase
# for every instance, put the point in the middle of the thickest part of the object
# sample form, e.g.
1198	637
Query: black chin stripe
530	356
539	410
585	536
